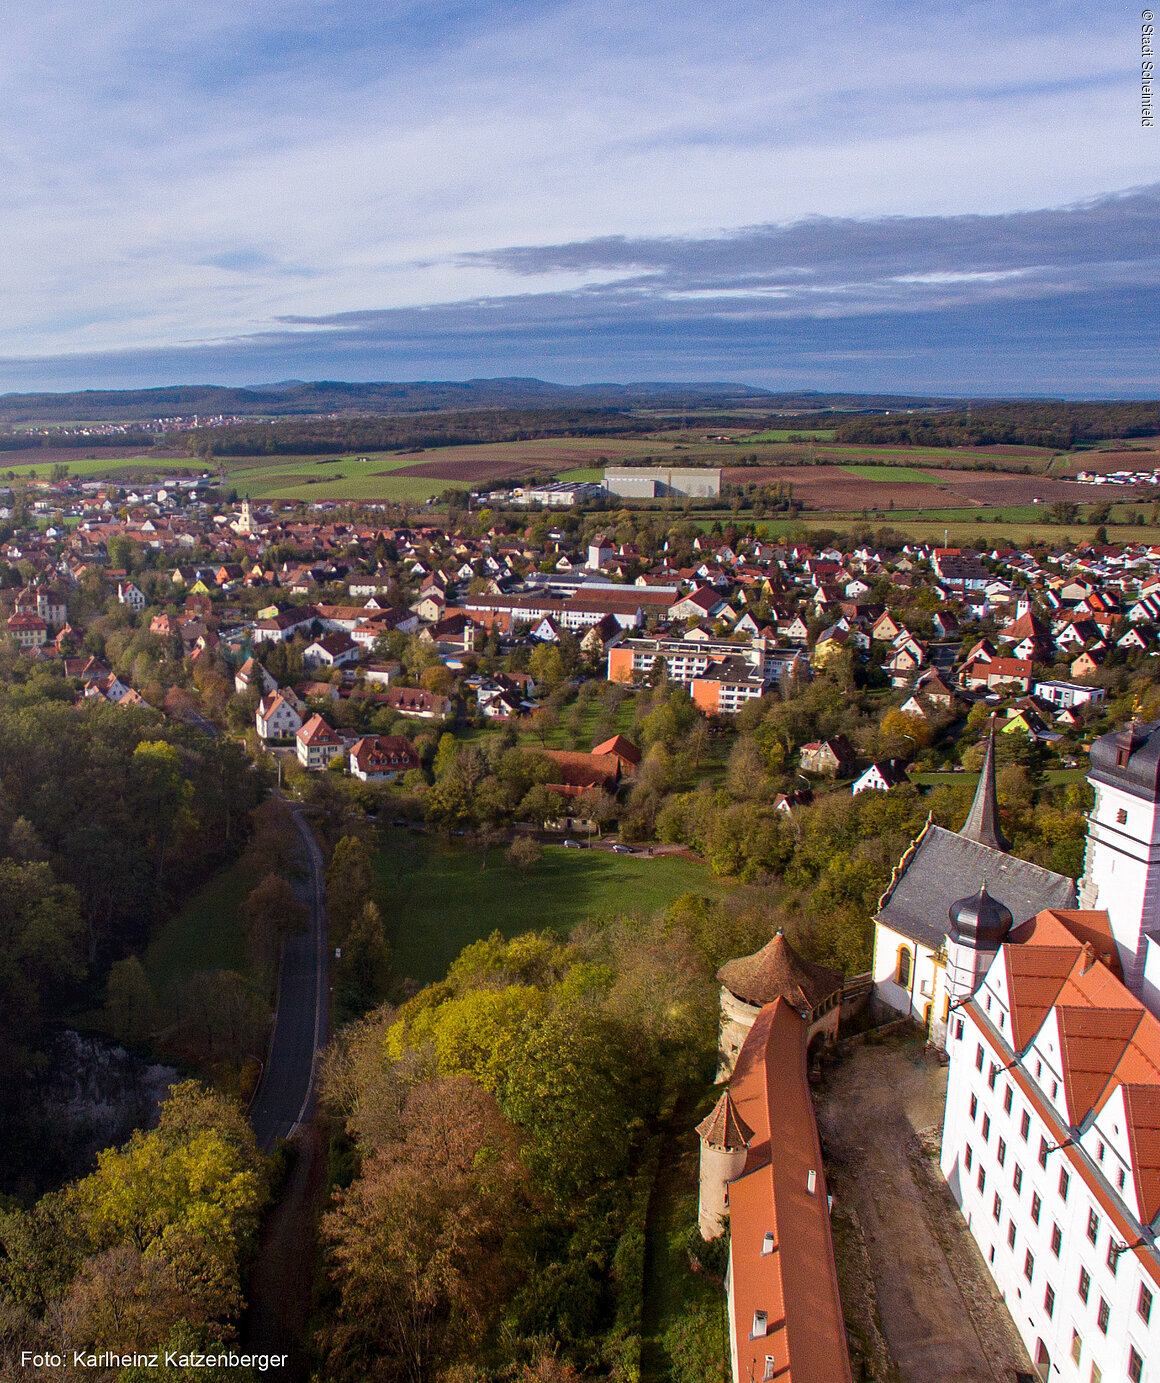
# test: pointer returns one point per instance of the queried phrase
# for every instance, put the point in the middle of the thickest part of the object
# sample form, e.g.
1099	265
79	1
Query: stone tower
774	972
725	1139
1122	859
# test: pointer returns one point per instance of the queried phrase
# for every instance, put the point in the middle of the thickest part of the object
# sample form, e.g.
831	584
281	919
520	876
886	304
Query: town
804	739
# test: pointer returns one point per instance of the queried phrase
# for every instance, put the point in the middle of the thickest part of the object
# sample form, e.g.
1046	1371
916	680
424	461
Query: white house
277	718
131	595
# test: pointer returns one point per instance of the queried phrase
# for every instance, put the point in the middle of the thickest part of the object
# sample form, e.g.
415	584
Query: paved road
285	1097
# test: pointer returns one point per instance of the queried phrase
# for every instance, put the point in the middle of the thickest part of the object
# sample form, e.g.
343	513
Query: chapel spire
982	823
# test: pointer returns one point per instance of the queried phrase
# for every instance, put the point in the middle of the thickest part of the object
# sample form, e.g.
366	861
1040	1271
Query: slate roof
943	867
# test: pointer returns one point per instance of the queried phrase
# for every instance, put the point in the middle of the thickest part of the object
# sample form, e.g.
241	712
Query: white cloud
194	171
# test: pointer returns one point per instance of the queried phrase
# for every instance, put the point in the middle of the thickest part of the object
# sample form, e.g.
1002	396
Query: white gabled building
1051	1131
277	717
1051	1139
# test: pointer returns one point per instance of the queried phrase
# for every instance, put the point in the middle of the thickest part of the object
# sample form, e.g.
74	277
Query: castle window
1085	1284
1093	1226
1017	1179
986	1127
1011	1235
1135	1366
1025	1126
1001	1152
1103	1316
1144	1304
902	972
1007	1100
1056	1240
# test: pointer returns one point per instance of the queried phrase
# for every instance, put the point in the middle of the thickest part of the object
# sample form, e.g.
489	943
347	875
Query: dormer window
767	1243
760	1325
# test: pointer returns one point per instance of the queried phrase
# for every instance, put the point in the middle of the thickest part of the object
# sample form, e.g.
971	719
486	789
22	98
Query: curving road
285	1098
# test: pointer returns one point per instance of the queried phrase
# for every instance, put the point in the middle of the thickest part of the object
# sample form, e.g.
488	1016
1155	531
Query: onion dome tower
725	1139
978	927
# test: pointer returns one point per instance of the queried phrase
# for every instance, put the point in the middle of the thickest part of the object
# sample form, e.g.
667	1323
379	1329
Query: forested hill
296	398
1042	423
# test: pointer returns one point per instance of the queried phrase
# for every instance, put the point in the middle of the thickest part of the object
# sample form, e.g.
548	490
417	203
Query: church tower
982	823
245	523
1122	860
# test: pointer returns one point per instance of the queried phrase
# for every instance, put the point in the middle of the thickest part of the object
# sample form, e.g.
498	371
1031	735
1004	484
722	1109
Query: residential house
382	758
881	777
834	756
318	743
277	717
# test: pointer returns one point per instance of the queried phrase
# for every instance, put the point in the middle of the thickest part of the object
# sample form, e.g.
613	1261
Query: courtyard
919	1302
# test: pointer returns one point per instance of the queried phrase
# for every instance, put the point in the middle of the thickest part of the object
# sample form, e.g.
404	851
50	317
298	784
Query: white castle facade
1049	1015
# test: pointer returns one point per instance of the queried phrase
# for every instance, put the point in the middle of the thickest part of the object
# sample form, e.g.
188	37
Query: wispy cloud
186	175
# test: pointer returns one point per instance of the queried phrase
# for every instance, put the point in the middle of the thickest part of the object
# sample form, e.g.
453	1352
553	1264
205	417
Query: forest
309	436
1046	423
108	817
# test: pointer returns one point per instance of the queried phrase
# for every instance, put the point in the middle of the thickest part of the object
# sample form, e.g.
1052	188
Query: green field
437	898
784	434
86	468
582	473
205	935
893	474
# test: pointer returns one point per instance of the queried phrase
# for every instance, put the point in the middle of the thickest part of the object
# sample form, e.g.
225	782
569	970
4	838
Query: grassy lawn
437	898
205	935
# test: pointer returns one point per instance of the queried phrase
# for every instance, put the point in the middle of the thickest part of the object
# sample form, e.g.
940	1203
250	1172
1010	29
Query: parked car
572	845
622	850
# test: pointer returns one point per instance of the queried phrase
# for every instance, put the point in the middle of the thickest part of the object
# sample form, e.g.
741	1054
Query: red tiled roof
796	1284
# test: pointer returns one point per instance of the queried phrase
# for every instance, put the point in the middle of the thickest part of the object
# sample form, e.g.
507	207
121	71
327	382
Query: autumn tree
524	854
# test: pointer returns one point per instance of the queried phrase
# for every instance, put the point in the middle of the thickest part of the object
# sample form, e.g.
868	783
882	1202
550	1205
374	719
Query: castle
1049	1013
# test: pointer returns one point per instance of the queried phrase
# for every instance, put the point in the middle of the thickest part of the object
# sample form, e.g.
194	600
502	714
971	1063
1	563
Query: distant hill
293	398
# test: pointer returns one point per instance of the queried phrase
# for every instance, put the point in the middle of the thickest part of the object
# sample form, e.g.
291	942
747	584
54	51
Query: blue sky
880	196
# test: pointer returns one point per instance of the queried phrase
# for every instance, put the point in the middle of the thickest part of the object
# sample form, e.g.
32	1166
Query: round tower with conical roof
978	926
775	972
725	1139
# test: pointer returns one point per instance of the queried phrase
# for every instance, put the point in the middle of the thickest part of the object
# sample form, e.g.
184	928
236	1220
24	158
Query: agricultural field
124	467
893	474
849	489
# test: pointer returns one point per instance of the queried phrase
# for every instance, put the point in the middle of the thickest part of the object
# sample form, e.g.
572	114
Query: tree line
1050	423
